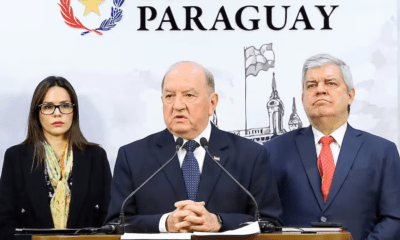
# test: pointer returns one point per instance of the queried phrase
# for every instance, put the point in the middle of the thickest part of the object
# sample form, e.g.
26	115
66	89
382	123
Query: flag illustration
259	59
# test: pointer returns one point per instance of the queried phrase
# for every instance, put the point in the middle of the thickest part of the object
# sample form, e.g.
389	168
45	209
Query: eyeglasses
64	108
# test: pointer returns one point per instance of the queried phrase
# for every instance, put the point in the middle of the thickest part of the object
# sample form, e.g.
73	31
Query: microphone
120	227
265	226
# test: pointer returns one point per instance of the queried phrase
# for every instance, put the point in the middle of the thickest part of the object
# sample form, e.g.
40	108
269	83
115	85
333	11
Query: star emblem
92	6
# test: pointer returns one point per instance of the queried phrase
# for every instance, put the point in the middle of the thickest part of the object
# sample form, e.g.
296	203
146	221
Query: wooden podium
270	236
79	237
282	236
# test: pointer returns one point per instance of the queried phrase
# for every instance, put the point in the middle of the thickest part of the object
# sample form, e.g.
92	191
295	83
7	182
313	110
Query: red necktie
326	166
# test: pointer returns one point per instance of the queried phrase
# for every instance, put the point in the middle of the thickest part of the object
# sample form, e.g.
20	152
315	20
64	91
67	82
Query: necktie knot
191	145
327	140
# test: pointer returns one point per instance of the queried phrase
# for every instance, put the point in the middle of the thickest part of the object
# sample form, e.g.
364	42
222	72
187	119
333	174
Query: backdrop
255	49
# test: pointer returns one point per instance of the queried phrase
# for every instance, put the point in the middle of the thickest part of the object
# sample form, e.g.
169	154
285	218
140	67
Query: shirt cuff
162	224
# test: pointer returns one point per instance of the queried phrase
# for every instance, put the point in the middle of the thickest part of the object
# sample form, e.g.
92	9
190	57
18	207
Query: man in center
192	193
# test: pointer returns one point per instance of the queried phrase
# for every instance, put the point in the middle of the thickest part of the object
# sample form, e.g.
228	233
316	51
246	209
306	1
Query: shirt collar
338	134
206	134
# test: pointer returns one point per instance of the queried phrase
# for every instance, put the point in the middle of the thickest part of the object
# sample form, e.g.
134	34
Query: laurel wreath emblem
68	14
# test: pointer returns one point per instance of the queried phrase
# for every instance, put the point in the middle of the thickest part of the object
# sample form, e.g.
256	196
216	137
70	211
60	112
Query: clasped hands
192	216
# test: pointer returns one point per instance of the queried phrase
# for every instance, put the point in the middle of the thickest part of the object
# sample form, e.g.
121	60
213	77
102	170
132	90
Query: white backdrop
117	76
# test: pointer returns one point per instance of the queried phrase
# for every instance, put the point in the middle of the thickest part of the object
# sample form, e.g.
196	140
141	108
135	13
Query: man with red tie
331	172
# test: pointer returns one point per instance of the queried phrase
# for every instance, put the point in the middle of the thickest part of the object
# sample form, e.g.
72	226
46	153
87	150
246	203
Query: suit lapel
349	149
80	183
164	150
37	190
306	147
211	172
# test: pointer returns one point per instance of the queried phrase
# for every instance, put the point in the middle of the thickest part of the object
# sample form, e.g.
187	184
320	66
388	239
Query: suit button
323	219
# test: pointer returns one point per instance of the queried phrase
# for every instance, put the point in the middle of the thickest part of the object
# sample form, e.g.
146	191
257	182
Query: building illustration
263	59
276	110
294	120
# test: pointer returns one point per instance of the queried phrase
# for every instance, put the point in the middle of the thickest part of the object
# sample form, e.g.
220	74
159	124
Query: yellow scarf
59	174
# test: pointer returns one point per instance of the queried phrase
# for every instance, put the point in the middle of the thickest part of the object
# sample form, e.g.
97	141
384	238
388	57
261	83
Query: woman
55	178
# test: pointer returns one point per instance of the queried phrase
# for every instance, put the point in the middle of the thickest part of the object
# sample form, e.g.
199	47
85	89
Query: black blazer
24	201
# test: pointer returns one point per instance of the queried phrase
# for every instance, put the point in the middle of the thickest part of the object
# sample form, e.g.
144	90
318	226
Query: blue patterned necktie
190	170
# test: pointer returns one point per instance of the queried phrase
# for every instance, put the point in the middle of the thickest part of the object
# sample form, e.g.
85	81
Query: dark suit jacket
244	159
365	191
24	201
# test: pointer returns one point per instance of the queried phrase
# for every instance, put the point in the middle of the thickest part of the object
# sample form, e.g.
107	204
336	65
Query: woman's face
57	123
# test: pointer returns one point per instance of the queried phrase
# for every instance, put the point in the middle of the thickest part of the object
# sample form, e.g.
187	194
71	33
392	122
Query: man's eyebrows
308	81
189	90
184	91
166	90
326	79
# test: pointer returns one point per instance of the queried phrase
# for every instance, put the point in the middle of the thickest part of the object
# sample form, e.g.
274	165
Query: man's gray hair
208	74
320	60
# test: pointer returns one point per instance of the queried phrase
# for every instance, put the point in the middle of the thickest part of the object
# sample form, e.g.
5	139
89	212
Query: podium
282	236
269	236
78	237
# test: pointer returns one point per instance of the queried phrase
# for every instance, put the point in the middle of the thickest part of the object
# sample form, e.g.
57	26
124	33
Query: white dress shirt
199	153
337	135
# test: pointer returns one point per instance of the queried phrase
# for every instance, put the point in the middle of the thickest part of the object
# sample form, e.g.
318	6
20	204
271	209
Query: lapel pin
216	158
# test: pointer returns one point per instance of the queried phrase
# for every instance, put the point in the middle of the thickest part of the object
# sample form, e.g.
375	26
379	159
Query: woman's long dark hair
35	134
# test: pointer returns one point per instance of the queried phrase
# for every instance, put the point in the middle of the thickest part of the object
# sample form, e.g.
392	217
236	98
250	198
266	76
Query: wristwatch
219	218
